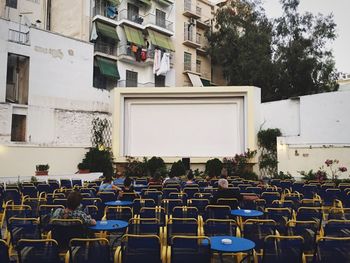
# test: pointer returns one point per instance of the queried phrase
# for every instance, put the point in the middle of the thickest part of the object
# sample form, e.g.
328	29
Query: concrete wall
314	128
61	104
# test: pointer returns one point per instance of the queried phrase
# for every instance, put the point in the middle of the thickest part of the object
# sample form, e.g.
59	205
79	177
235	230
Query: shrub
213	167
135	167
42	167
178	169
97	160
249	176
156	164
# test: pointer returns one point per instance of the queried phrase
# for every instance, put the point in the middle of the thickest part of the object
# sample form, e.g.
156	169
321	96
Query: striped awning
160	40
134	36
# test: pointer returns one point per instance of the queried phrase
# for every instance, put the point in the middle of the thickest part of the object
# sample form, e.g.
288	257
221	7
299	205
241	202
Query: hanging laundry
144	54
111	12
94	34
133	48
164	65
157	60
138	54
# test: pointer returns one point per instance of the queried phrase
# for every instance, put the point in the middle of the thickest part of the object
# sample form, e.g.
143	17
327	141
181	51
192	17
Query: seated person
120	179
107	184
73	210
128	187
156	179
224	192
171	179
190	178
224	173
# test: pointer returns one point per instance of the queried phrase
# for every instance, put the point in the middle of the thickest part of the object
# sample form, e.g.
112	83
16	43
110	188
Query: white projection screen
175	127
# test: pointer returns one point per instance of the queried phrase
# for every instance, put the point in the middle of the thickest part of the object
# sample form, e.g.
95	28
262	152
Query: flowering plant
335	170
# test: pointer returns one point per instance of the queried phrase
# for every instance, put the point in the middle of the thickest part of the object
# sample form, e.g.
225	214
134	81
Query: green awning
134	36
107	31
206	83
160	40
108	68
146	2
114	2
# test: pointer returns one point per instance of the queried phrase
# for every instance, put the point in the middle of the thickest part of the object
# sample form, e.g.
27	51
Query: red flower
343	169
328	162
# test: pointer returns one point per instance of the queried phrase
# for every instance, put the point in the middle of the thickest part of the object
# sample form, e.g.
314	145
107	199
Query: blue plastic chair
257	229
23	228
337	228
144	226
217	212
13	195
154	212
220	227
89	250
187	249
286	249
185	212
306	229
281	216
181	227
169	204
332	249
4	252
30	191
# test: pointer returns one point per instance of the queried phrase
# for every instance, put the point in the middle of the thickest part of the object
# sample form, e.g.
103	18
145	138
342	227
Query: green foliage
239	164
283	176
267	141
100	133
285	57
198	173
135	167
33	179
97	160
156	164
320	175
42	167
249	176
178	169
83	166
213	167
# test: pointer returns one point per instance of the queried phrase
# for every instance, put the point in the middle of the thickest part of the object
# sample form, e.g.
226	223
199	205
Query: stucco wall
314	128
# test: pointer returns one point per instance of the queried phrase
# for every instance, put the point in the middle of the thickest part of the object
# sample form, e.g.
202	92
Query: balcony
105	10
106	49
191	10
19	37
190	68
130	18
159	24
122	84
189	39
126	55
203	23
203	44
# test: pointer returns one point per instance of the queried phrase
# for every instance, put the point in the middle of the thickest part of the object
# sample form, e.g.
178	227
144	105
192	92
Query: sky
341	12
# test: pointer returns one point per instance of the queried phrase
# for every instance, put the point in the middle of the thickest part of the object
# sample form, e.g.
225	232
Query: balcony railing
19	37
124	14
103	8
125	50
189	36
122	83
191	7
106	48
155	20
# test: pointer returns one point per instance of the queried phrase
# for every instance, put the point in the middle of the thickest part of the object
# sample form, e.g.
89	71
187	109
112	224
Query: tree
285	57
306	66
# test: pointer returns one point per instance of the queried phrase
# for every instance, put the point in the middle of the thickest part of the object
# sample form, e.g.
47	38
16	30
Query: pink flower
328	162
343	169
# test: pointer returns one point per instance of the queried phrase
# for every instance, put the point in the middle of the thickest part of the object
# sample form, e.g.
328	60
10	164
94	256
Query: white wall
61	105
323	126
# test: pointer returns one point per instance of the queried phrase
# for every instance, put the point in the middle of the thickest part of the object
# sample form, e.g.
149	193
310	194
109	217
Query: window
18	128
198	66
187	61
188	31
17	79
99	81
160	18
198	38
131	79
159	81
133	12
11	3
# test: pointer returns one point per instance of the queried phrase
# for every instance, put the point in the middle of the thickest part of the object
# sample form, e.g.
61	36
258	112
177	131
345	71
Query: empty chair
281	216
139	203
144	226
139	248
60	201
156	196
220	227
330	196
43	188
337	228
307	230
91	191
309	191
38	251
45	212
286	249
231	202
34	203
127	196
200	204
217	212
185	212
269	197
63	230
182	227
94	212
339	213
30	191
89	250
13	195
310	203
332	249
66	183
169	205
154	212
76	182
107	196
168	191
310	214
91	201
23	228
190	191
186	249
19	211
257	229
4	252
54	185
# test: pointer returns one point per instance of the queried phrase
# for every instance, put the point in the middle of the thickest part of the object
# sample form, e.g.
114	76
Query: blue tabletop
118	203
246	213
109	225
238	244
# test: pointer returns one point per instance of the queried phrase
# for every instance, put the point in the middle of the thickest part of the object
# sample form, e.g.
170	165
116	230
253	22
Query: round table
119	203
109	225
238	245
246	213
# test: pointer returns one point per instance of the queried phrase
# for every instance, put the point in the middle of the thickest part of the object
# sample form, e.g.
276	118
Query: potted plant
83	168
42	169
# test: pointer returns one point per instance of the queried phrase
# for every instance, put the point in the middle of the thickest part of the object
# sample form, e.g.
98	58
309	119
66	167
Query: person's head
119	174
171	175
224	173
190	175
157	176
107	177
127	182
73	200
223	183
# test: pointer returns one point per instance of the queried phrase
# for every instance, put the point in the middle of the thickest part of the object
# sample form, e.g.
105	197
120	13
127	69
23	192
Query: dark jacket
224	193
